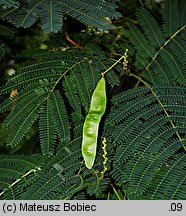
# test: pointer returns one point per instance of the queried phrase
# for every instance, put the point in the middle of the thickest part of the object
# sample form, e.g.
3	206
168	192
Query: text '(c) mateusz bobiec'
37	207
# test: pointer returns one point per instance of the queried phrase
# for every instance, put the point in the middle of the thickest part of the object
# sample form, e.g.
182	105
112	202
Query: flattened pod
91	124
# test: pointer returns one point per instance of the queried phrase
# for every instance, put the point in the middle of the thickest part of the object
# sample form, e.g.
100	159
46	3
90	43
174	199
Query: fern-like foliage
161	49
141	144
51	13
148	131
9	3
146	139
15	172
41	98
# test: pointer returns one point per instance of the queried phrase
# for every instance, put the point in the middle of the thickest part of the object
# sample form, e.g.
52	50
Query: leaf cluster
141	142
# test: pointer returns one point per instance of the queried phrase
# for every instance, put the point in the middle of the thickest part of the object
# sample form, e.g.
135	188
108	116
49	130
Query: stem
108	196
137	83
102	74
70	68
115	191
18	180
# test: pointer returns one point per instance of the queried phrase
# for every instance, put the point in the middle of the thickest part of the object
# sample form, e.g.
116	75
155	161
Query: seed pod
91	124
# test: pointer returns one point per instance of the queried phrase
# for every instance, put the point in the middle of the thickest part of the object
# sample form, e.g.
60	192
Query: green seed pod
91	124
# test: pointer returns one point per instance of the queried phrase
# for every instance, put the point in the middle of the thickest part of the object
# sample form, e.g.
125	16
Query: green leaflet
51	13
91	124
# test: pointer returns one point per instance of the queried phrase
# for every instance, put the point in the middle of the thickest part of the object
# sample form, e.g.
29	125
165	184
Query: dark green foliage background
145	120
